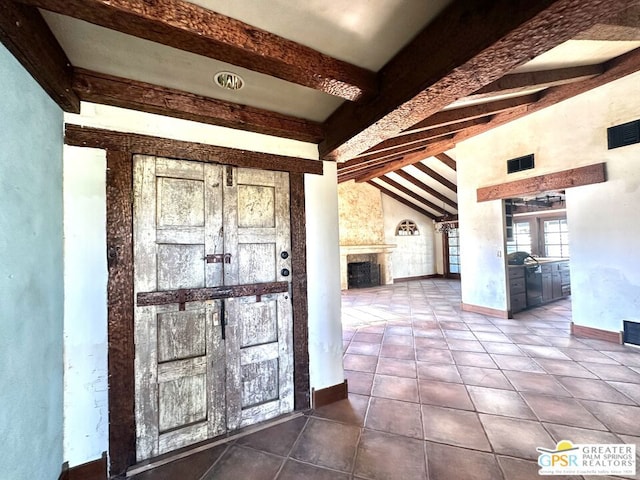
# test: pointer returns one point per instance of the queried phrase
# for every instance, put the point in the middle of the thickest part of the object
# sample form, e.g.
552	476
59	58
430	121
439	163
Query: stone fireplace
362	231
376	254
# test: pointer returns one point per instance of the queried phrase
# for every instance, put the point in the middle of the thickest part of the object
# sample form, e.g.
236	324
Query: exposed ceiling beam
518	82
489	43
447	160
393	153
403	200
195	29
377	169
420	137
614	69
436	176
27	36
431	191
410	193
446	117
121	92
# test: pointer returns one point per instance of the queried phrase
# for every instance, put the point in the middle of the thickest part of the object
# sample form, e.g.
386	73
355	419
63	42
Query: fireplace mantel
383	251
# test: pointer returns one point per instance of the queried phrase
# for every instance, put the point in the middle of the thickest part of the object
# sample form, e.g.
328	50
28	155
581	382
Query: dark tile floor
441	394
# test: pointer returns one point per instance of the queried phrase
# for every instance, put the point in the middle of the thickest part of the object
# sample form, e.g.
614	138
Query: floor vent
520	163
623	135
631	333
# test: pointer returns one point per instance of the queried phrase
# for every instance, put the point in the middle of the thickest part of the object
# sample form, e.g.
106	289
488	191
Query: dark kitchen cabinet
555	280
517	289
555	283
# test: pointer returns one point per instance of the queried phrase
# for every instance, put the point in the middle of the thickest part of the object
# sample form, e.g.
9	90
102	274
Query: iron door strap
223	319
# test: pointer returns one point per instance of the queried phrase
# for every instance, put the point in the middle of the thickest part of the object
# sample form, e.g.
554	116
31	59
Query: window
453	247
556	237
521	241
406	228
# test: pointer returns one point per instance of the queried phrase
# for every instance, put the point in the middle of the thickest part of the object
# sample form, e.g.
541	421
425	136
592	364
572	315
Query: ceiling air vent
520	163
623	135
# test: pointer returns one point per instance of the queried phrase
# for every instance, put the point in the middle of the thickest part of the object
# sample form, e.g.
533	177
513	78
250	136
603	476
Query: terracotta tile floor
439	394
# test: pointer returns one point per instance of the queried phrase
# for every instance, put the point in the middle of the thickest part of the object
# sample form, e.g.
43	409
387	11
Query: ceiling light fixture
228	80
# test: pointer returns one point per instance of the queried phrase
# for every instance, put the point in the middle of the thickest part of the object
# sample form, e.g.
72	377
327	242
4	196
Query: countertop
542	260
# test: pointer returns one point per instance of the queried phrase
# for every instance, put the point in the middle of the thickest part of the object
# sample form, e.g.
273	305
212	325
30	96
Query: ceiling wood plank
432	149
410	193
121	92
574	177
446	117
403	200
431	191
436	176
27	36
447	160
623	26
78	136
195	29
517	82
489	44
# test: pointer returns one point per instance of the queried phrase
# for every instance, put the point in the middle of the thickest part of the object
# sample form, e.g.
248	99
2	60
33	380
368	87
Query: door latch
214	258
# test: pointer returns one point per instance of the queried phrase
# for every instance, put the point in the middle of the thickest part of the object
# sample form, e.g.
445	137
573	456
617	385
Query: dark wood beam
381	168
403	200
446	117
447	160
406	140
431	191
517	82
121	92
489	43
28	37
195	29
574	177
436	176
78	136
392	154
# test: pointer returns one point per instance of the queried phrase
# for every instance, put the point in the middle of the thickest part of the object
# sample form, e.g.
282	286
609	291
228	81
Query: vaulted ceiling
384	90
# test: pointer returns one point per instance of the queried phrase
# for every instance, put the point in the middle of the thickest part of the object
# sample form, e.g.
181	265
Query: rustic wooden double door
213	317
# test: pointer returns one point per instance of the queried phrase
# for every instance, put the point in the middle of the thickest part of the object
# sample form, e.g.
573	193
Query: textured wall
604	219
361	217
414	255
31	278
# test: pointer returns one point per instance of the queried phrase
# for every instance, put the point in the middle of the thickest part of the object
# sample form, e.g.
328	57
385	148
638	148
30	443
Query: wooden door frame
120	148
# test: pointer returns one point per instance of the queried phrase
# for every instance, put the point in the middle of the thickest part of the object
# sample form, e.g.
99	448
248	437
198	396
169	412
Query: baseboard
596	333
492	312
328	395
420	277
94	470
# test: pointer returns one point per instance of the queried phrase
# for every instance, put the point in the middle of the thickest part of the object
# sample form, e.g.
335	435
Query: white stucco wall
86	412
86	408
414	255
604	219
323	273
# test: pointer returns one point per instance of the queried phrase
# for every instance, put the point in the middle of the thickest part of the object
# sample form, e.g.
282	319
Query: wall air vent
631	333
520	163
623	135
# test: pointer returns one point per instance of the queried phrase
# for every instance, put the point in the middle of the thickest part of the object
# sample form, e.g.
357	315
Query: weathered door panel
179	362
259	345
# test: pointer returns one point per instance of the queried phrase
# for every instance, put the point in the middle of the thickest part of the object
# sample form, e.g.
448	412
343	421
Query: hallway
438	394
